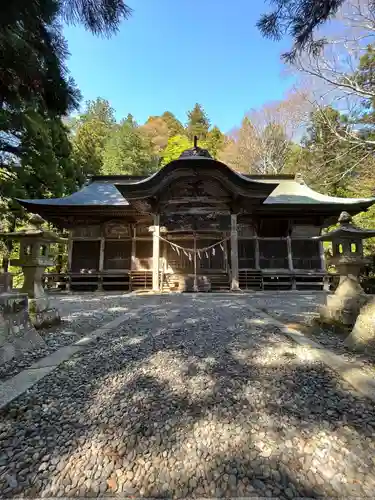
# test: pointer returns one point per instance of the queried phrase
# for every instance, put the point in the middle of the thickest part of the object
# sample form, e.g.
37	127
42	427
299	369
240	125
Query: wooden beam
234	253
156	254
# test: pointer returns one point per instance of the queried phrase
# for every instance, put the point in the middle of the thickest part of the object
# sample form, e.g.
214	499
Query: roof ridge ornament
345	218
195	151
298	178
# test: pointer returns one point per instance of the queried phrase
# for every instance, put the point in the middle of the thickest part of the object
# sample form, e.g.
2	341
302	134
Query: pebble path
197	396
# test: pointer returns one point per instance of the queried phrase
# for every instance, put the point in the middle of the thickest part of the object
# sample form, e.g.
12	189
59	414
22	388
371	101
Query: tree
328	163
342	75
215	141
175	127
91	131
176	145
239	151
298	19
128	151
262	144
33	50
157	131
198	123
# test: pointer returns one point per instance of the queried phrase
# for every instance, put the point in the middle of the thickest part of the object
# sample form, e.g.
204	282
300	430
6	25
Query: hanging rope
189	251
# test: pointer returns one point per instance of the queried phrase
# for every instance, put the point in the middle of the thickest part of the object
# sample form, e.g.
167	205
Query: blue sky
173	53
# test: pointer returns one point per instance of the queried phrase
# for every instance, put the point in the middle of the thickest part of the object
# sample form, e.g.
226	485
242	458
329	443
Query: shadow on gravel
203	411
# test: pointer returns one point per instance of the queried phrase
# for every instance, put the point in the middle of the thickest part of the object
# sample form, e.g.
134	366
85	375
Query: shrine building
195	225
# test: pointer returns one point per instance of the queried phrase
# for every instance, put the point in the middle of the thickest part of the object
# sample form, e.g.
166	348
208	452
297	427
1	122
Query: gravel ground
81	314
301	309
193	396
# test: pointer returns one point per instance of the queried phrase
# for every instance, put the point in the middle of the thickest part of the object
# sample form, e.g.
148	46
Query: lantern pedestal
343	307
33	259
42	315
17	335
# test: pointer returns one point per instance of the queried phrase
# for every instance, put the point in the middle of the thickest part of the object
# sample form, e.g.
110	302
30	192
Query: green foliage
298	18
215	141
198	123
91	131
128	151
325	160
175	127
176	145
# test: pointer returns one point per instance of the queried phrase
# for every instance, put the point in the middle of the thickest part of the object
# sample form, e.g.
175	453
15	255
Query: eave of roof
102	193
290	192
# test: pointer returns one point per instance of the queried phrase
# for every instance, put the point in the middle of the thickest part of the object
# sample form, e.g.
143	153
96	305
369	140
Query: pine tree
198	123
91	131
215	141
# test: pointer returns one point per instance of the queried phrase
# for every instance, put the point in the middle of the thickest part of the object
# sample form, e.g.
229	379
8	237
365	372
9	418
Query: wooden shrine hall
195	225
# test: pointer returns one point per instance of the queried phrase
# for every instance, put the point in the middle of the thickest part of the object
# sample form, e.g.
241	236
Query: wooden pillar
257	254
133	250
156	254
290	261
70	254
322	256
290	256
234	252
101	263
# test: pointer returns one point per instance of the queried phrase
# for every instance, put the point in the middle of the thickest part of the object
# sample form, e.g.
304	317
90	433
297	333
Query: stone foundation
41	315
344	305
17	335
362	337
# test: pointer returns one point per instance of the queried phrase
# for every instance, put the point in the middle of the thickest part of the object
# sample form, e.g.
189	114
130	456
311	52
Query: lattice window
143	230
86	232
177	259
246	254
273	254
143	254
85	256
306	254
305	231
273	228
213	259
117	254
245	230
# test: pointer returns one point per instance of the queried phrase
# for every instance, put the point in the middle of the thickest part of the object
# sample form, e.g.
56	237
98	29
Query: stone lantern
347	256
33	258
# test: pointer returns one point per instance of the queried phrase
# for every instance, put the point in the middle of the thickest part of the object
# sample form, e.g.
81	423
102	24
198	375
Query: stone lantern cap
347	230
34	230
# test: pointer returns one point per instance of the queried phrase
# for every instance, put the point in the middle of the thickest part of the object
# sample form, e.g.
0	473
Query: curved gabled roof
274	192
191	165
97	193
290	192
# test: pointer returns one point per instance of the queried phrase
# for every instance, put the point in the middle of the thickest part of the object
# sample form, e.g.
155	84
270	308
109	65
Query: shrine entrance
198	253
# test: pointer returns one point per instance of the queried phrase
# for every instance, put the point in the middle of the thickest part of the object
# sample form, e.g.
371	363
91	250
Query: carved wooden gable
116	229
196	195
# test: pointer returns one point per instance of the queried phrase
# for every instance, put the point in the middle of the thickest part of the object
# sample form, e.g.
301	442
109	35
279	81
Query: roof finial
195	141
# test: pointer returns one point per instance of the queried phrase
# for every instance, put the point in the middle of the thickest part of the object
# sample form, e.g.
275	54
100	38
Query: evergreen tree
298	18
175	127
91	131
326	160
198	123
128	151
215	141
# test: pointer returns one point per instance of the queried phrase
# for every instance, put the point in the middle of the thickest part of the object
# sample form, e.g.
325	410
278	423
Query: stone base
342	308
41	315
203	284
17	334
45	319
362	337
